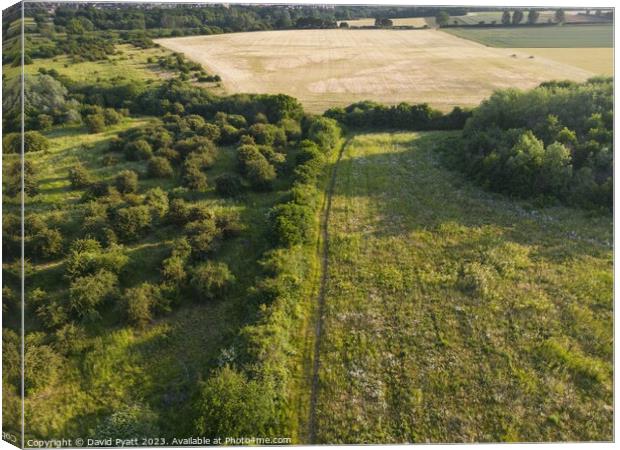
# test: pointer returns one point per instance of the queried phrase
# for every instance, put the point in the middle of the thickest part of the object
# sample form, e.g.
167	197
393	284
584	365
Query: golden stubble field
326	68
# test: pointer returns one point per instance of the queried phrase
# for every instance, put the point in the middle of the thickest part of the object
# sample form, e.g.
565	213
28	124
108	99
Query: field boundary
324	278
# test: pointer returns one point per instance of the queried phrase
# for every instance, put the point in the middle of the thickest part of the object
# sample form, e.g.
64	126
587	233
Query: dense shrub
291	128
42	364
95	123
138	150
229	135
291	224
127	182
96	190
228	185
128	422
12	178
133	221
111	116
89	292
140	303
159	167
253	164
157	200
325	132
231	405
173	270
48	242
193	177
267	134
260	173
33	142
211	279
44	122
203	235
551	143
79	177
86	257
178	212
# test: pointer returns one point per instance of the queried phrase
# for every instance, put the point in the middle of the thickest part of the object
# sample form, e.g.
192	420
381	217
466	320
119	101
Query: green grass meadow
129	63
455	315
566	36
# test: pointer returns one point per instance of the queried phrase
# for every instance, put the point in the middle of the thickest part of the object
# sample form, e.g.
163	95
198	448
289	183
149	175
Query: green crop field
453	315
488	17
539	37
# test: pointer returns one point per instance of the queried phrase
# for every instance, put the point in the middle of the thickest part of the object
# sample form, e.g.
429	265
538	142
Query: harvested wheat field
597	60
326	68
398	22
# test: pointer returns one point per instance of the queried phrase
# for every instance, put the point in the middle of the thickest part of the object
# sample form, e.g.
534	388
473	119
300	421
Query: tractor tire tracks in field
324	250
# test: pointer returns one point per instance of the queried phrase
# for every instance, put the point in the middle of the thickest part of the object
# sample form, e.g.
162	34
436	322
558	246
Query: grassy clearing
129	63
542	37
71	145
453	315
391	66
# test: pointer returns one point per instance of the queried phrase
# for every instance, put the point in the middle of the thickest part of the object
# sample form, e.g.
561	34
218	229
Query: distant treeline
372	115
217	17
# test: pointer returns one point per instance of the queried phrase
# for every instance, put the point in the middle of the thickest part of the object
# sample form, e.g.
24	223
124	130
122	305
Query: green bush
132	222
267	134
229	135
41	365
550	143
173	270
231	405
86	257
13	178
48	242
138	150
127	181
203	236
291	128
194	178
95	123
211	279
79	177
178	211
45	121
260	173
325	132
33	142
157	200
291	224
128	422
140	303
159	167
228	185
88	293
111	116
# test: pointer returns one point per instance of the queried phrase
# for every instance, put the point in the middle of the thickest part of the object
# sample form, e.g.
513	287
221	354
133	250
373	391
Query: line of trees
372	115
250	392
78	19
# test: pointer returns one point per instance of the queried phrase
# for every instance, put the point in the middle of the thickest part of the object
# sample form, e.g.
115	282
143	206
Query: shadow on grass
409	190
